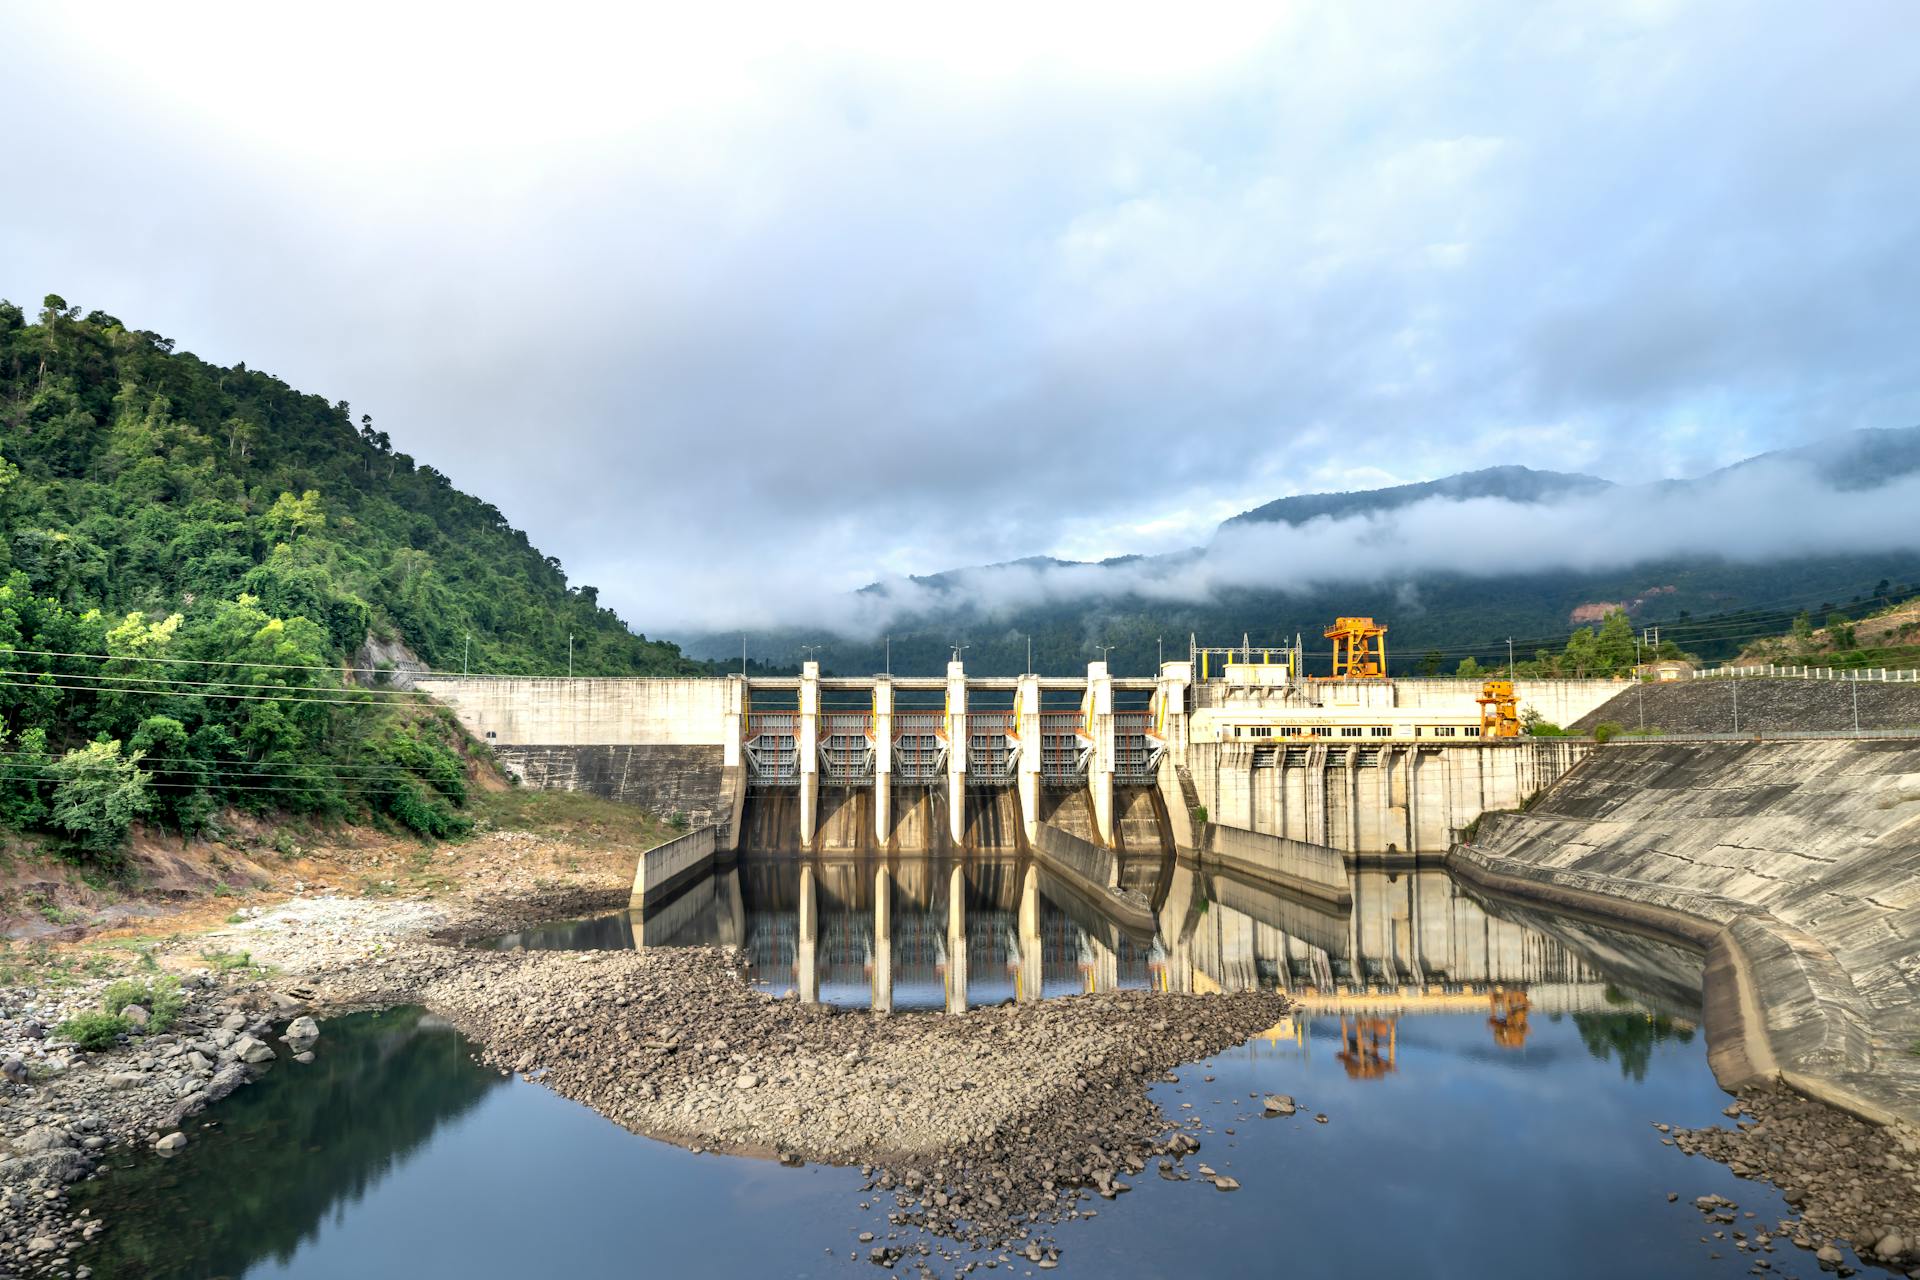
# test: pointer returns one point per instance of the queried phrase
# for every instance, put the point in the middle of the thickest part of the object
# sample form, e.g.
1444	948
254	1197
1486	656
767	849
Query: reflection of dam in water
1412	937
933	932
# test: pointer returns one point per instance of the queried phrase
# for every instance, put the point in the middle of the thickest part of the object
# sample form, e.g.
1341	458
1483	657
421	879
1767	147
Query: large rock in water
249	1050
302	1031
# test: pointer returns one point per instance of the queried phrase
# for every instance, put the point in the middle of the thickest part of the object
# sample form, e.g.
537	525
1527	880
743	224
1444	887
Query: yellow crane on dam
1499	710
1359	648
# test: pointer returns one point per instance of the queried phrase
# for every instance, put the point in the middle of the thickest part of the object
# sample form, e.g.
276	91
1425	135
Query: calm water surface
1472	1133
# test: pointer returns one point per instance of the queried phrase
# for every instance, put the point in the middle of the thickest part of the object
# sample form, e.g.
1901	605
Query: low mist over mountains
1459	565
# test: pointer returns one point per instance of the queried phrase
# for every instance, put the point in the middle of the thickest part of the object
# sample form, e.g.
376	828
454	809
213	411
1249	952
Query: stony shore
985	1126
1855	1185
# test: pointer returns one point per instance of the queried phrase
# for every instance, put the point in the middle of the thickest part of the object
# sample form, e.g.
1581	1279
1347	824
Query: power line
171	682
279	788
196	662
242	768
164	693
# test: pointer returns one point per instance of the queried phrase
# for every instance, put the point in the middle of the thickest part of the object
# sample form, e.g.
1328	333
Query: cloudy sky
735	312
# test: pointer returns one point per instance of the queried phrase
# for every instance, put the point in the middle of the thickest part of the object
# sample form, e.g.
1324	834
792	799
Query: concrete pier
883	941
1099	704
882	762
1027	770
957	752
1032	961
957	939
807	940
808	748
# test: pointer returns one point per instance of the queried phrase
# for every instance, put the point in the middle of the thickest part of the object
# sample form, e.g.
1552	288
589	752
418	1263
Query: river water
1491	1079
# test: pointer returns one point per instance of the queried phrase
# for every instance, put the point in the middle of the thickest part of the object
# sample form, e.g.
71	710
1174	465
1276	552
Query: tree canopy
190	558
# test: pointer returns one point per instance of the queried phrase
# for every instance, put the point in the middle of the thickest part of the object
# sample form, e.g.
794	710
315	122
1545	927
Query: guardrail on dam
1363	766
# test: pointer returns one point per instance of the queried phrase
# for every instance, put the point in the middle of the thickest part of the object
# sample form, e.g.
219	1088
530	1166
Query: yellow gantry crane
1359	648
1499	710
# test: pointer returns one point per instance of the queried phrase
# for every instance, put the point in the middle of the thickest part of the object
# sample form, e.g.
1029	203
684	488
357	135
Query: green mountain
193	556
152	480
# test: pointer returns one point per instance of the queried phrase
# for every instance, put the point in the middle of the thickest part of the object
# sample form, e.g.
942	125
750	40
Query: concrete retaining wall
1069	854
511	710
667	867
689	780
1094	872
1293	864
1560	702
1795	865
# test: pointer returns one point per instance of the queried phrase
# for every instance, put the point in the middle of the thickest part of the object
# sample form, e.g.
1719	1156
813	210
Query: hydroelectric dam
1232	753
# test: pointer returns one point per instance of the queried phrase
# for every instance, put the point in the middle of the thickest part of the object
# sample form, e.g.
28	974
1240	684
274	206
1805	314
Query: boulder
44	1137
14	1070
137	1016
173	1142
302	1030
249	1050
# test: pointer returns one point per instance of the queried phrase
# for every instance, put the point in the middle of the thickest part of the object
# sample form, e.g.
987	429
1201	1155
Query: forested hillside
191	557
151	480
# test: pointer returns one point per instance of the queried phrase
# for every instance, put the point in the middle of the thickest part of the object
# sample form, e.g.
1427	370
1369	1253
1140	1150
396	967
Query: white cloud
735	311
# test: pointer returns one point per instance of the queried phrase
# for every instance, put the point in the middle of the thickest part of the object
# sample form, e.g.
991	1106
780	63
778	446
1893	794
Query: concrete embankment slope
1794	865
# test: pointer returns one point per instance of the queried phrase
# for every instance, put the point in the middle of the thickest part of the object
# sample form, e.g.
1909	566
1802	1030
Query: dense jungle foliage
190	559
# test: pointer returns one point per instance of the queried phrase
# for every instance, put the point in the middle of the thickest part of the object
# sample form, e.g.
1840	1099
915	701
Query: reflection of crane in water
1508	1018
1368	1046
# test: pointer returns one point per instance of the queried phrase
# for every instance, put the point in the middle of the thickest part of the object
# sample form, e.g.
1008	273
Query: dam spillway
958	763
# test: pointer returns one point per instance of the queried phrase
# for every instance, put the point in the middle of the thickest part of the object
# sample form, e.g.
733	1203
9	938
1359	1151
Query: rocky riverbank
63	1109
1855	1185
986	1127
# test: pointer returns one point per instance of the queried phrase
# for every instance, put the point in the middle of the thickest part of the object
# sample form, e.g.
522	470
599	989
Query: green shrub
1607	730
228	961
424	813
97	793
158	996
94	1031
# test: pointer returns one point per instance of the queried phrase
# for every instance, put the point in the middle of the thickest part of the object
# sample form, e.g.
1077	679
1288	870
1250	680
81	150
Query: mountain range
1707	596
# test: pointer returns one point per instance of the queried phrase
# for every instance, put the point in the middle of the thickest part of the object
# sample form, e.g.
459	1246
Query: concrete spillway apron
1799	974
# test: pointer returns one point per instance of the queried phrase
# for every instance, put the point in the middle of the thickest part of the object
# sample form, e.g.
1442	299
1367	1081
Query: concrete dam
1231	751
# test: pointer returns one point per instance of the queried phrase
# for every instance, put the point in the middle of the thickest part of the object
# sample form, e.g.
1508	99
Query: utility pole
889	653
1736	701
1029	654
1162	641
1509	657
569	655
466	643
1856	704
1639	684
743	655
